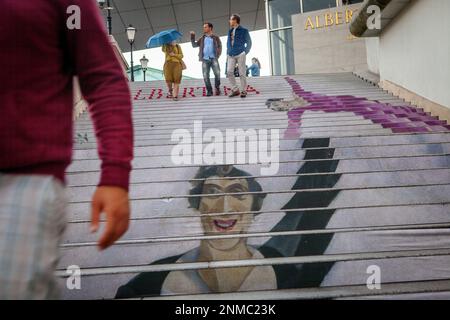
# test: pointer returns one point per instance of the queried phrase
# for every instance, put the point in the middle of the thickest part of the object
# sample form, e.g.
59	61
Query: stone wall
323	43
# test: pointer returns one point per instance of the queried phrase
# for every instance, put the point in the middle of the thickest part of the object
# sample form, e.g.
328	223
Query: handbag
183	65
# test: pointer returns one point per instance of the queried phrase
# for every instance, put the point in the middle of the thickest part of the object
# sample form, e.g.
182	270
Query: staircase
361	196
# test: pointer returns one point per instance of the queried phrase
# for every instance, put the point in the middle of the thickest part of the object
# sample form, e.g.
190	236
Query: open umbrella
163	37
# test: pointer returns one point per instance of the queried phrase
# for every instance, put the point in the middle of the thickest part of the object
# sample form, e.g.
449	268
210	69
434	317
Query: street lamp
131	33
144	65
105	5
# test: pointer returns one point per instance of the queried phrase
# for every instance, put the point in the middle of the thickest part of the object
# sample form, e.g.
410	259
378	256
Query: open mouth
224	225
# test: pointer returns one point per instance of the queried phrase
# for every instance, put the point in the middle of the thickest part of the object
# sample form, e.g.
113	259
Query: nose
226	204
223	204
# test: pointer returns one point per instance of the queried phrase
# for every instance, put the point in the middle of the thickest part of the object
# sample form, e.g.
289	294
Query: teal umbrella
162	38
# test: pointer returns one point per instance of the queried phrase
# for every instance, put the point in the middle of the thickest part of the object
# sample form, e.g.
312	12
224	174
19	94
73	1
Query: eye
238	190
239	196
212	190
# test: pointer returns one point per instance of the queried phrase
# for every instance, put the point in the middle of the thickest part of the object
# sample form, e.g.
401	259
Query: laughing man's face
226	224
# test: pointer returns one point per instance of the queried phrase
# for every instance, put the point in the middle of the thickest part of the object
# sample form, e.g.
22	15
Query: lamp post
105	5
144	65
131	33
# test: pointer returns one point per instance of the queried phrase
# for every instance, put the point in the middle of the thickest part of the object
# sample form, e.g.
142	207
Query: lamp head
131	33
144	63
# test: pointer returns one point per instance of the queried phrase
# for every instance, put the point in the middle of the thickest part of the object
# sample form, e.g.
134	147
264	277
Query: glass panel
312	5
282	52
280	12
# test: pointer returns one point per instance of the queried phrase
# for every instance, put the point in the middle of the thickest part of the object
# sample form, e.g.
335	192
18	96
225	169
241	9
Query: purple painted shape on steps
399	119
411	130
394	125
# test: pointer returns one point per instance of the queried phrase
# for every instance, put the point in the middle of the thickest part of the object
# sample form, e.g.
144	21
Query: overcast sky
260	49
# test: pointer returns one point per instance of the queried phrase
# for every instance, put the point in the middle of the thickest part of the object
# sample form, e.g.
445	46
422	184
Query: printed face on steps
224	195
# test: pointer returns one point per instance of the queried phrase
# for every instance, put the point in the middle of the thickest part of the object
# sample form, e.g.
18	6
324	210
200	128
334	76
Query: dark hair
257	61
225	171
236	17
209	25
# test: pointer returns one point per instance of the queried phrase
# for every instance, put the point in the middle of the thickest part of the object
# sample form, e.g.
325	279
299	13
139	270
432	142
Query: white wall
373	54
415	50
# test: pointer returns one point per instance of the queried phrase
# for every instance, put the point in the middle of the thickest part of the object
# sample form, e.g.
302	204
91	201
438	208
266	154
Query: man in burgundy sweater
41	49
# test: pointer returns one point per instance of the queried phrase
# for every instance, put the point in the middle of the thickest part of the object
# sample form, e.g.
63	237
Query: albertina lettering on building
329	19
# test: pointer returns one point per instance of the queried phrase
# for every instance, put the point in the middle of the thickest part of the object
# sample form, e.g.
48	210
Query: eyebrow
238	185
210	184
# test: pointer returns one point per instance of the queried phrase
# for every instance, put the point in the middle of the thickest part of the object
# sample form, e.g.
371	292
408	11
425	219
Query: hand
114	202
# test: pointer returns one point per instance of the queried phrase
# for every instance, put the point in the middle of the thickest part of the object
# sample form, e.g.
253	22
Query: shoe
244	94
218	93
175	99
234	94
209	94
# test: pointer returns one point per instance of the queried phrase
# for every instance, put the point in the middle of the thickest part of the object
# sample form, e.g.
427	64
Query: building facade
410	51
280	27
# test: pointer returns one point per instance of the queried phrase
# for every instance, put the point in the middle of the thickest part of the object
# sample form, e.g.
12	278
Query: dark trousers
207	66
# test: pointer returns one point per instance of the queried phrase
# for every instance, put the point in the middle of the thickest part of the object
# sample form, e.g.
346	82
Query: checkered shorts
32	221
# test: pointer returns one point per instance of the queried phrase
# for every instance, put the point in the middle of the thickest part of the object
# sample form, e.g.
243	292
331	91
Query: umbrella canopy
163	37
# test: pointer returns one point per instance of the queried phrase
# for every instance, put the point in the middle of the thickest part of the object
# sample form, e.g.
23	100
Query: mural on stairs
338	202
218	180
229	179
317	189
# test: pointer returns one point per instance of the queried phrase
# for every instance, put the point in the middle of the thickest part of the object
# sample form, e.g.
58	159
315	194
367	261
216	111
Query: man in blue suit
238	46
